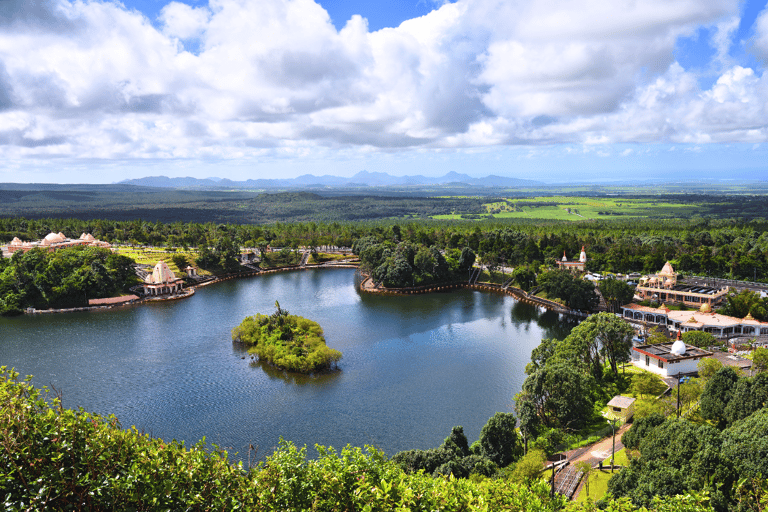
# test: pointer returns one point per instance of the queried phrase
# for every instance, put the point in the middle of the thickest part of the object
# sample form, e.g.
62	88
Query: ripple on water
413	366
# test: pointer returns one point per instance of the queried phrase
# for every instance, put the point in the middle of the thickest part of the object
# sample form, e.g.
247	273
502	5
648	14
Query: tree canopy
287	341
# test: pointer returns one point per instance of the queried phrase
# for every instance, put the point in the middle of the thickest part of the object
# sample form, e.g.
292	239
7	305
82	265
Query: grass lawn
152	256
323	256
598	485
620	459
498	277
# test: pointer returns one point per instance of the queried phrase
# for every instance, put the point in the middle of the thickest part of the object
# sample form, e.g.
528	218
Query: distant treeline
128	202
732	248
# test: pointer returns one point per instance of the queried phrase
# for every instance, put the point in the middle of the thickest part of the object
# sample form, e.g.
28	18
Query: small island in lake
287	341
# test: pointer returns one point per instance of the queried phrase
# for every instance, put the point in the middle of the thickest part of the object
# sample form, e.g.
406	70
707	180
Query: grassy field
582	208
151	256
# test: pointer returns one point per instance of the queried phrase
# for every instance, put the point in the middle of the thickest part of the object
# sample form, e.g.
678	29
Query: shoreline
187	292
366	286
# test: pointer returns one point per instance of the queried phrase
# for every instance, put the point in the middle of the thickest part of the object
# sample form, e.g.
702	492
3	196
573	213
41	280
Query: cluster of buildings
54	241
663	287
676	358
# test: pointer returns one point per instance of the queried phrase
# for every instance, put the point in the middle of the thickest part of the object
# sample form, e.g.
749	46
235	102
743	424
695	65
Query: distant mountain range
309	181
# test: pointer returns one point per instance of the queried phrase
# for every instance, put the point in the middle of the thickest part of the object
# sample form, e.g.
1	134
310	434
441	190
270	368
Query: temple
54	241
720	326
574	266
669	359
162	281
663	288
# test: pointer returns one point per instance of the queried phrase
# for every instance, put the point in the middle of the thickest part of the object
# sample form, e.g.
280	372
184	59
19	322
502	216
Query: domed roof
161	274
15	241
667	270
678	348
705	308
53	238
87	237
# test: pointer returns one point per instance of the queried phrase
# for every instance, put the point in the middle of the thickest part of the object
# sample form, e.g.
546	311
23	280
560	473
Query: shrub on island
287	341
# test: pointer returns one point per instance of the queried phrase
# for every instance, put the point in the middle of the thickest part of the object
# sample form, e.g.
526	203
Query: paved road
594	453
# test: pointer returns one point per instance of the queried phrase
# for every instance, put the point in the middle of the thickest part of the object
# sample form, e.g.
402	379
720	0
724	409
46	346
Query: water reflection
413	366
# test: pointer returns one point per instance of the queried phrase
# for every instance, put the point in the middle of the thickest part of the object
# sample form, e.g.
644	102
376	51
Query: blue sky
554	90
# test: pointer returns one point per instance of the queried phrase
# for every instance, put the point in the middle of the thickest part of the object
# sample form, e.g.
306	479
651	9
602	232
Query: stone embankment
368	286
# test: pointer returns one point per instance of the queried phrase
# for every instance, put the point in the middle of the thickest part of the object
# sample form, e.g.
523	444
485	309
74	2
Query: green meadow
570	208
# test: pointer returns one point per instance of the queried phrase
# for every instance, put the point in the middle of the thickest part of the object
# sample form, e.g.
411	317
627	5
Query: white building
720	326
668	359
162	281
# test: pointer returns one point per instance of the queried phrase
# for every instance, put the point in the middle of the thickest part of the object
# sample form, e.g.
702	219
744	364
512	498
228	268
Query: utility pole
613	449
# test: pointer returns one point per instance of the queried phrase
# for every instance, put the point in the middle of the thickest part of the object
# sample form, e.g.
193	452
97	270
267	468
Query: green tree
760	359
524	277
560	395
647	384
699	339
717	394
743	303
616	293
499	440
708	367
529	467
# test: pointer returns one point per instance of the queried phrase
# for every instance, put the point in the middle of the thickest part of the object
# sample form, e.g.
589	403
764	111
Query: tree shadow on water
321	379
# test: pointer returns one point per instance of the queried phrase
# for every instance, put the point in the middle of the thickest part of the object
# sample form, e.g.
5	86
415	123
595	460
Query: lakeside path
593	454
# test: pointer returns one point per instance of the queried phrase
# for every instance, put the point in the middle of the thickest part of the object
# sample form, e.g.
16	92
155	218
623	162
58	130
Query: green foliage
499	445
52	458
640	429
717	395
62	279
648	384
287	341
616	293
743	303
576	293
405	264
760	359
699	339
708	366
499	440
529	467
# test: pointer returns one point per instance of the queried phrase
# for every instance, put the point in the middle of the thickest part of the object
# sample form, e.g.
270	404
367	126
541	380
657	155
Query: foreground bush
52	458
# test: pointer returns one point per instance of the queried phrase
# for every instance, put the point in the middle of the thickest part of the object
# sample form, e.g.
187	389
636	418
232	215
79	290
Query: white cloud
761	35
90	79
183	21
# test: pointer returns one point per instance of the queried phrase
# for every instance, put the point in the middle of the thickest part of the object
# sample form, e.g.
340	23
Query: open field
576	208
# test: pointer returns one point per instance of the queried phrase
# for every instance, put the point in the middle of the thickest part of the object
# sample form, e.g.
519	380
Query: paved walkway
594	454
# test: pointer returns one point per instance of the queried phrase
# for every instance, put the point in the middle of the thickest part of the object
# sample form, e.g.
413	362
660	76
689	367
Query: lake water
413	366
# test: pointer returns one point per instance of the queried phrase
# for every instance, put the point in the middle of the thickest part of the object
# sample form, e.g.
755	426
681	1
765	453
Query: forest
733	248
62	279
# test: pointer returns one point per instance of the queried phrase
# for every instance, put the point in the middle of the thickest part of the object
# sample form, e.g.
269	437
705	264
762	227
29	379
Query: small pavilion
162	281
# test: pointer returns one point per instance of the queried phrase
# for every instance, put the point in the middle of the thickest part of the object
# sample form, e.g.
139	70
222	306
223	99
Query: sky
551	90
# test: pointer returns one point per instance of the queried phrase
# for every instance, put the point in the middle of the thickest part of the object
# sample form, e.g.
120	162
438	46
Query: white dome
53	238
161	274
678	348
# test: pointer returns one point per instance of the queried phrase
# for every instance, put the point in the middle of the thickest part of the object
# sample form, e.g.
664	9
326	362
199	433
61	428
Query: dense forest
62	279
731	248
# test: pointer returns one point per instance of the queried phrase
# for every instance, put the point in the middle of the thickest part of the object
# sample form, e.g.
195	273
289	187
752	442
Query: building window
661	363
647	361
617	409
